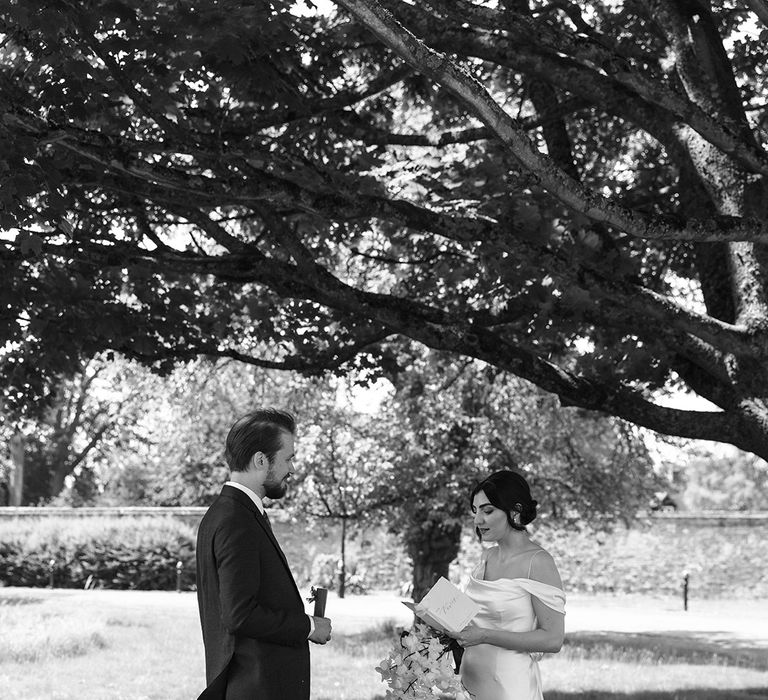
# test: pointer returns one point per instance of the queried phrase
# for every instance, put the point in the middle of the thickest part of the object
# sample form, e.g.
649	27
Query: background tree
574	194
724	479
341	455
174	455
92	411
452	423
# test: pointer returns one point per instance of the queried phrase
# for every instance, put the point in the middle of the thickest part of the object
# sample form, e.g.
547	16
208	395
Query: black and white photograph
384	349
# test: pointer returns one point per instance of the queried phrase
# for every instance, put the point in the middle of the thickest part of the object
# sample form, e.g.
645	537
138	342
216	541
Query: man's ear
259	462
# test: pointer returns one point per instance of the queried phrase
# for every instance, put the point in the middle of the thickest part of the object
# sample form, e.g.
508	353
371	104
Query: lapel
242	498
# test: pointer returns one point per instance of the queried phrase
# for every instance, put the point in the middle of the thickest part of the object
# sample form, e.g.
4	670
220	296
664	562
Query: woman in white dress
521	598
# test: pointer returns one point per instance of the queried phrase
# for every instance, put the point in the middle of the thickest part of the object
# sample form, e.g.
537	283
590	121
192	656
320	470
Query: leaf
576	298
65	226
230	49
120	10
29	243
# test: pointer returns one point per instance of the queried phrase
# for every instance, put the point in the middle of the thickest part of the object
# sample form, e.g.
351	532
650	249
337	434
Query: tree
725	479
92	410
341	454
453	423
174	453
572	193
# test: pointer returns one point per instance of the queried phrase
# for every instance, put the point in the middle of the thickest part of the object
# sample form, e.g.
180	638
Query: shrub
652	558
123	553
141	553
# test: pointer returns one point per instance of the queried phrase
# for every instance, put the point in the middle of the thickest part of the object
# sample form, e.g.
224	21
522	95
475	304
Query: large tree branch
624	304
356	128
590	203
331	359
703	66
595	55
431	327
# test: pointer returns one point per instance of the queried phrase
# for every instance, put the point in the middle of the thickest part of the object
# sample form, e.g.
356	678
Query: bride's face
489	520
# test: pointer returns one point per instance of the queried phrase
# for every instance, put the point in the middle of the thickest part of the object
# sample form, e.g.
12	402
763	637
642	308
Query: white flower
418	667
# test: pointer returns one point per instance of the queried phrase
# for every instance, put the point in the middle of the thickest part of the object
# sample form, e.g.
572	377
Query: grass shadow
123	622
673	647
689	694
16	600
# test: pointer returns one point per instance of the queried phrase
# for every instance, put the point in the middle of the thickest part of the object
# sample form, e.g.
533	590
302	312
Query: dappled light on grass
345	668
599	678
694	694
590	667
667	648
153	651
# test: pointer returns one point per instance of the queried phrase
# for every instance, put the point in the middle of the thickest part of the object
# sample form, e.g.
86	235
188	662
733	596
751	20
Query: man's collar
250	493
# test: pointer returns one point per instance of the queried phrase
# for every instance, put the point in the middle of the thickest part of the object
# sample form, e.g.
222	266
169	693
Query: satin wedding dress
489	672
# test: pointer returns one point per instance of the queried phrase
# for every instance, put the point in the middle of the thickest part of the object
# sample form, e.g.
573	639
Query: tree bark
432	547
17	470
343	560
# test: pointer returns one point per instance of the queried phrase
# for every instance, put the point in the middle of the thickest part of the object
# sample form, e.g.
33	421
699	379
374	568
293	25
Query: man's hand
322	632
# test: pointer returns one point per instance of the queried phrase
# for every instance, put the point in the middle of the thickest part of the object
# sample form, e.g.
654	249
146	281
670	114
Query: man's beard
272	488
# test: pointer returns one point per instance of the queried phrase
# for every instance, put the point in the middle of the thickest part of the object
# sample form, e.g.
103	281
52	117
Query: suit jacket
254	625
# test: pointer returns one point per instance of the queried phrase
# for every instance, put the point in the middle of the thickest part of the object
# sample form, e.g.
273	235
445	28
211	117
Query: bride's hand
470	635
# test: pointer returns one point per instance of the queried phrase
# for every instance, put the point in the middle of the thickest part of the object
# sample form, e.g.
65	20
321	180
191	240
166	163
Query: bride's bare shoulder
542	567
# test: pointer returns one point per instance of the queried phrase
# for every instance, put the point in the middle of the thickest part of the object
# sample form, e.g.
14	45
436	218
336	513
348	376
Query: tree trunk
343	567
17	470
60	469
432	547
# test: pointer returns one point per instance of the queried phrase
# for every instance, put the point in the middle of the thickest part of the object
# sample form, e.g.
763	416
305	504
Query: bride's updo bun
509	491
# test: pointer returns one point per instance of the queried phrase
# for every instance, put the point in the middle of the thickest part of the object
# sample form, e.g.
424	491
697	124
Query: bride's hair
508	491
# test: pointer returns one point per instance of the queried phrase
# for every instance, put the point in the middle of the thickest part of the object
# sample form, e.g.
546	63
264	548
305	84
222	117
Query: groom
255	630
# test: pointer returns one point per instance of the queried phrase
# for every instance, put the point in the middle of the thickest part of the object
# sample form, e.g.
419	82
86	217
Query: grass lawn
67	645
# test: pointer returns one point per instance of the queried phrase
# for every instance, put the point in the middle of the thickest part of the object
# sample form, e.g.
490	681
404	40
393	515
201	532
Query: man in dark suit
255	630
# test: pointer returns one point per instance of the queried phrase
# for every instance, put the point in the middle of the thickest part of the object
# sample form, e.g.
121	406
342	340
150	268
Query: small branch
760	8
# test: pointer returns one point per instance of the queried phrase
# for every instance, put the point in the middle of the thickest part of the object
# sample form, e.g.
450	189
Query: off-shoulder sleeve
552	596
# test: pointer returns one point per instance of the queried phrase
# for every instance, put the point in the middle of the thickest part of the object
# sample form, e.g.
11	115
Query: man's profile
255	630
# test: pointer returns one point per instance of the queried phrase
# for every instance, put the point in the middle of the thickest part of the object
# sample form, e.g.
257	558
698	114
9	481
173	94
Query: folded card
445	607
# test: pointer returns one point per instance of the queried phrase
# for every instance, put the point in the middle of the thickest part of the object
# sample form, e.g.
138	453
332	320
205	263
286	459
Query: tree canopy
572	193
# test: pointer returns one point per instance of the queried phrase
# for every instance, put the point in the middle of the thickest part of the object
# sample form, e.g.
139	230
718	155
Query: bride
518	588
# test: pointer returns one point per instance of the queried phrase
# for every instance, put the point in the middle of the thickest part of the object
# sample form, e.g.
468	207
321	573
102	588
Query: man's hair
257	431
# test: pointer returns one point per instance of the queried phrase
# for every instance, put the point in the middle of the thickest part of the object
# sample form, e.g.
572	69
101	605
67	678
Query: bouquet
419	667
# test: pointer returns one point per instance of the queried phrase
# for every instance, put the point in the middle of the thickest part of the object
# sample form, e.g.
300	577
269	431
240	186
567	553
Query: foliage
165	439
648	559
94	411
419	667
342	452
458	421
572	193
127	553
651	559
725	479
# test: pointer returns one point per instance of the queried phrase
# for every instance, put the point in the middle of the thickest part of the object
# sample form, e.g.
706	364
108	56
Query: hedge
142	552
652	558
121	553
